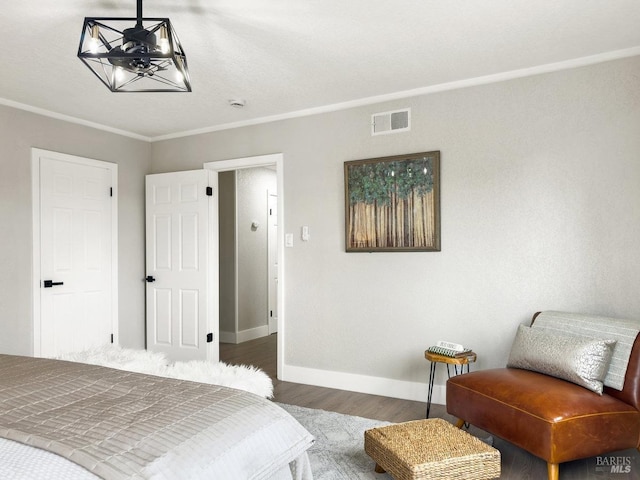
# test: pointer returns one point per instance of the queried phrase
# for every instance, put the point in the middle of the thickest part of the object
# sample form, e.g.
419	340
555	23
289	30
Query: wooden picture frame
392	204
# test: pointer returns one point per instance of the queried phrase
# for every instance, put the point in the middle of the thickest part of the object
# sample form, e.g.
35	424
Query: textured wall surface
540	210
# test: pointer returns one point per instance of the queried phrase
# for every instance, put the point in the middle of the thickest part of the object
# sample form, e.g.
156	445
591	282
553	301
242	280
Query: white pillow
580	360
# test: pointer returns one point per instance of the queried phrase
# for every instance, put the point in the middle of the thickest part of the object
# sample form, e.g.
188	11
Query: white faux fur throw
242	377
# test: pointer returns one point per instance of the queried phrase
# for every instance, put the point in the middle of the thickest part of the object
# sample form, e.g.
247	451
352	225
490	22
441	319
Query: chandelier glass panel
134	54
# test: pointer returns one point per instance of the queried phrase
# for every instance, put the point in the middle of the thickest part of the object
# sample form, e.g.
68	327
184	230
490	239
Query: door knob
150	279
51	283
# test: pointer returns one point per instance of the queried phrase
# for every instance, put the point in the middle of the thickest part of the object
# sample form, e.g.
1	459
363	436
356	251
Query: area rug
338	453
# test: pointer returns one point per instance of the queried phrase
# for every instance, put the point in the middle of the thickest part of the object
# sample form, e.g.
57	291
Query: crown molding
442	87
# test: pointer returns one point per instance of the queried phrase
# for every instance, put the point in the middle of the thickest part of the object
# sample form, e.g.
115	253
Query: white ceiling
293	57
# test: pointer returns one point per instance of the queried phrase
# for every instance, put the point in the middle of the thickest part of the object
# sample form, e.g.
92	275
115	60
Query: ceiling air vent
391	122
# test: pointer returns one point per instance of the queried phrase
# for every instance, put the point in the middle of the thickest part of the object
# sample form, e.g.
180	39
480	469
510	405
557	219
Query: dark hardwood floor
517	464
262	353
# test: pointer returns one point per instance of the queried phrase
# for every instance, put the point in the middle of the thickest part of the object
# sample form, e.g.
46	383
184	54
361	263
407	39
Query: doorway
272	161
247	296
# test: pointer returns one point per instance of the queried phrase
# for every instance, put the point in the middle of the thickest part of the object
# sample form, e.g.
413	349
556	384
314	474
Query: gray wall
19	132
540	210
243	200
227	246
252	186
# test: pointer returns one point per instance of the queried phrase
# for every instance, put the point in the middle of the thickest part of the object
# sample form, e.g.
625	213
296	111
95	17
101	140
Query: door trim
252	162
36	154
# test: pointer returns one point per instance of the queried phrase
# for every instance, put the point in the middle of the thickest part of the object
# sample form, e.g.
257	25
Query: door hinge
209	192
209	337
111	191
271	313
270	211
112	338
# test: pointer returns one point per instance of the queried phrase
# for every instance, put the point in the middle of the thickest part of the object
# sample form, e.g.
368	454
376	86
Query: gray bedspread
119	424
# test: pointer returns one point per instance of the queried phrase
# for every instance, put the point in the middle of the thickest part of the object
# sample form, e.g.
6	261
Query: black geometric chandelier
145	57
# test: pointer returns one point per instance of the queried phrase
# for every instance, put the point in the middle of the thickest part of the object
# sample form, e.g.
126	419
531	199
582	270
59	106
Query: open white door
182	293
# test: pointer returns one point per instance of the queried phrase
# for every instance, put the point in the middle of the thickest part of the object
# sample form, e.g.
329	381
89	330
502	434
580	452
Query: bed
61	419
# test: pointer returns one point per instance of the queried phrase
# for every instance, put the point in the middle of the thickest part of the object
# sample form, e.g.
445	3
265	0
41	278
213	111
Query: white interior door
276	159
272	255
182	294
76	294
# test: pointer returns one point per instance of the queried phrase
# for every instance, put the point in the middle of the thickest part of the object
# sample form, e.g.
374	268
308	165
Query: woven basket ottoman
430	449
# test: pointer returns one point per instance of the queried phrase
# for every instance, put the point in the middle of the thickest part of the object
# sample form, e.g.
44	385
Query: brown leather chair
553	419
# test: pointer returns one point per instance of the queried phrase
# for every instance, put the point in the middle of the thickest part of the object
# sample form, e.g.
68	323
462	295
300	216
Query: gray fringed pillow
580	360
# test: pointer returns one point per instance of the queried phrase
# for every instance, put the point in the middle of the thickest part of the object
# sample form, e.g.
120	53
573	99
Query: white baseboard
244	335
385	387
253	333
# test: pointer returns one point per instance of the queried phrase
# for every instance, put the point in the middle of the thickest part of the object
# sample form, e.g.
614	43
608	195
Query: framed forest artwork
393	203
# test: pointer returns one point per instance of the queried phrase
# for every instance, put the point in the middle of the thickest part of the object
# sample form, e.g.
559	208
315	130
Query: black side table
458	368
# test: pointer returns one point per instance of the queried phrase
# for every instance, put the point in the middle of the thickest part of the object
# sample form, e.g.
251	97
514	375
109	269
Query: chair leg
460	423
553	471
